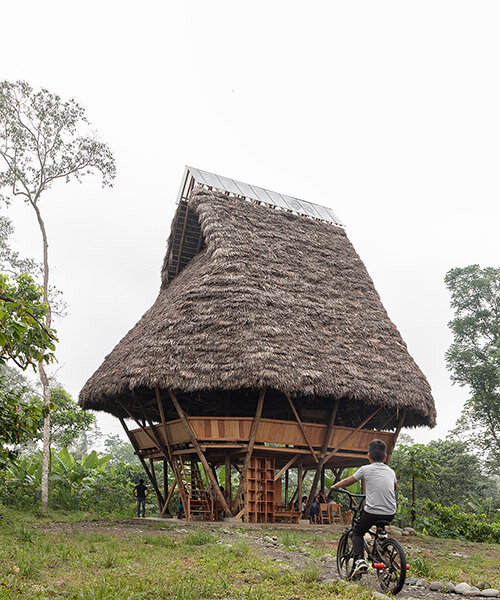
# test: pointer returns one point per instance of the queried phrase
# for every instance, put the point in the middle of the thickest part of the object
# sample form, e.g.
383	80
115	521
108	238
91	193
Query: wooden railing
211	430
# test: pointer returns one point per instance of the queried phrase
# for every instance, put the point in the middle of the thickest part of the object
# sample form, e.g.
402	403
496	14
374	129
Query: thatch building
268	348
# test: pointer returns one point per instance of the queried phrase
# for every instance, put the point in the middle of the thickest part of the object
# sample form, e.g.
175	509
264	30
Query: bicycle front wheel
391	578
345	556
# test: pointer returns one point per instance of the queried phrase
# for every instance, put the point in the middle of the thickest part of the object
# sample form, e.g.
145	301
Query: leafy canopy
41	142
474	356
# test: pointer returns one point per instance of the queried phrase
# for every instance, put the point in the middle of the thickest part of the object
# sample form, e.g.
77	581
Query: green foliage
23	337
474	356
452	522
19	419
457	476
41	142
416	463
67	420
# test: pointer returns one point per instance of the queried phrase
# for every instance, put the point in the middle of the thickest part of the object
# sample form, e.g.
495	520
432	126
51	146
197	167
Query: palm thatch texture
255	298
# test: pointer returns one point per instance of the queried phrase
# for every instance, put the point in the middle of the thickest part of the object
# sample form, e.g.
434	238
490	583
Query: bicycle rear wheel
392	577
345	556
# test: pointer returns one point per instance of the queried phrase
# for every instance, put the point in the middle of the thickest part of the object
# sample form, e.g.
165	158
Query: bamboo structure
267	350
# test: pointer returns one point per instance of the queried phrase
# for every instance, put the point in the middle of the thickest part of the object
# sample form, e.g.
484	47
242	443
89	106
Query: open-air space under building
268	351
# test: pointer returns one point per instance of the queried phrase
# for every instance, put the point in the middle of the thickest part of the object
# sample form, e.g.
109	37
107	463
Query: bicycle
386	554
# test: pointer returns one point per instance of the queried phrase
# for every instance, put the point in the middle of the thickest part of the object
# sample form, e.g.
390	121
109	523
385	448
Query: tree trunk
41	370
413	515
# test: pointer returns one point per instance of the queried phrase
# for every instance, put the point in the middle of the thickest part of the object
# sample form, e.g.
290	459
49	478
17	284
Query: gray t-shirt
379	483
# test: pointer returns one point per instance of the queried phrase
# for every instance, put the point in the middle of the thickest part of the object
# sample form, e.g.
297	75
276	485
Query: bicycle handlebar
344	491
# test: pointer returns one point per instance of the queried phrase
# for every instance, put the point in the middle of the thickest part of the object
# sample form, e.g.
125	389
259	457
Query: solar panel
253	192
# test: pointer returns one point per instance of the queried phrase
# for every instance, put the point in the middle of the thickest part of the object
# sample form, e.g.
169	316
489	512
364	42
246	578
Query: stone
436	586
474	591
267	539
404	532
490	593
380	596
396	533
482	585
449	587
422	583
411	580
409	531
462	587
326	557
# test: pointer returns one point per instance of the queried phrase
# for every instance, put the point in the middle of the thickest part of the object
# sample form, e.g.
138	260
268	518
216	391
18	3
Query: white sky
386	111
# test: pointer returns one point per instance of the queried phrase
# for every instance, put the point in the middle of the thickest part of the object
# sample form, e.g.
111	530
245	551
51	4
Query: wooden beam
324	448
251	442
304	435
201	456
286	467
169	497
349	435
151	437
396	434
159	496
227	476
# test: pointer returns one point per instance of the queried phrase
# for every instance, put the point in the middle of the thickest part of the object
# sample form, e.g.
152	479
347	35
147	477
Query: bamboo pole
301	426
159	496
286	467
395	436
349	435
322	461
199	451
251	442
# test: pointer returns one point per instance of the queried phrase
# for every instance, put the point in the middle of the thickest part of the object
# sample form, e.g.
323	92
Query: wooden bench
288	516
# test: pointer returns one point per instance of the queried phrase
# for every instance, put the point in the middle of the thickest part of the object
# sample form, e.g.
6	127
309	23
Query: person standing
141	492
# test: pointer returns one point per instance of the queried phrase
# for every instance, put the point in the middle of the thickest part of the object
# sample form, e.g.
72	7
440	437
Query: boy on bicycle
380	485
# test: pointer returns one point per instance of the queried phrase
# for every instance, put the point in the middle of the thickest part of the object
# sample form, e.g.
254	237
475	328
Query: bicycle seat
382	523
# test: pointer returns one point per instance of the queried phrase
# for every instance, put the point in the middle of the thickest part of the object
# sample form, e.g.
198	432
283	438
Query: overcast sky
388	112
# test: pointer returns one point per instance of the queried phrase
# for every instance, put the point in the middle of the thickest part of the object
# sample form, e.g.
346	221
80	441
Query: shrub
451	521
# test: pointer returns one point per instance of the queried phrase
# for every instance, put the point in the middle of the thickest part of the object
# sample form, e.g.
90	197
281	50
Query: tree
25	341
474	356
457	474
68	421
416	463
43	139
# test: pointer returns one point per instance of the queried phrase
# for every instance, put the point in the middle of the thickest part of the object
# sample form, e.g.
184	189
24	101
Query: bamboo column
200	454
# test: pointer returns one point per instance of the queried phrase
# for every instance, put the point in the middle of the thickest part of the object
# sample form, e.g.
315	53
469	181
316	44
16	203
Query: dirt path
299	558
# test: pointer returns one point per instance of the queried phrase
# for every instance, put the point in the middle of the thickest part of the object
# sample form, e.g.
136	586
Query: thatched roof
263	298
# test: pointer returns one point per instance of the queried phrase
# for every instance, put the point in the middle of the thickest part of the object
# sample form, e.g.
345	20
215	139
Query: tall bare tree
44	139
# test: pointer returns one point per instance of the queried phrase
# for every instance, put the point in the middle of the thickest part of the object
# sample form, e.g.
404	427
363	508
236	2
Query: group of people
380	503
320	498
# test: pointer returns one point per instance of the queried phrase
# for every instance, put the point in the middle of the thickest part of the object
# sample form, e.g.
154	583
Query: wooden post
167	501
349	435
251	442
151	478
165	482
300	479
227	477
286	487
322	479
199	451
322	460
175	467
395	437
301	426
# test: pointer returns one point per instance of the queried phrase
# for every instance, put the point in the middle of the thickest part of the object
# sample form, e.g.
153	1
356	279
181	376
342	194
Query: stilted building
267	349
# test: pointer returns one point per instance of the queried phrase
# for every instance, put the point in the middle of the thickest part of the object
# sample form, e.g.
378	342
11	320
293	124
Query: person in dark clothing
141	492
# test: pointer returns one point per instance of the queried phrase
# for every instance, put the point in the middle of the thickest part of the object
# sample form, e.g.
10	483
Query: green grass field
106	560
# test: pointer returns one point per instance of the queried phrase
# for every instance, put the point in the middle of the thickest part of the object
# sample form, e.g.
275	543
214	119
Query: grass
43	560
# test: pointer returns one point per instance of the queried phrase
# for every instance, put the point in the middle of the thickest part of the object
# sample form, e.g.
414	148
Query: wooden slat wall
234	429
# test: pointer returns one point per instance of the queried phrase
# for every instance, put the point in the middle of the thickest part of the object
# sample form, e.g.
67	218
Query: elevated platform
282	440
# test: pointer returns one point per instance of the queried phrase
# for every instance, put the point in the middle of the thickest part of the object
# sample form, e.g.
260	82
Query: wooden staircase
196	499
